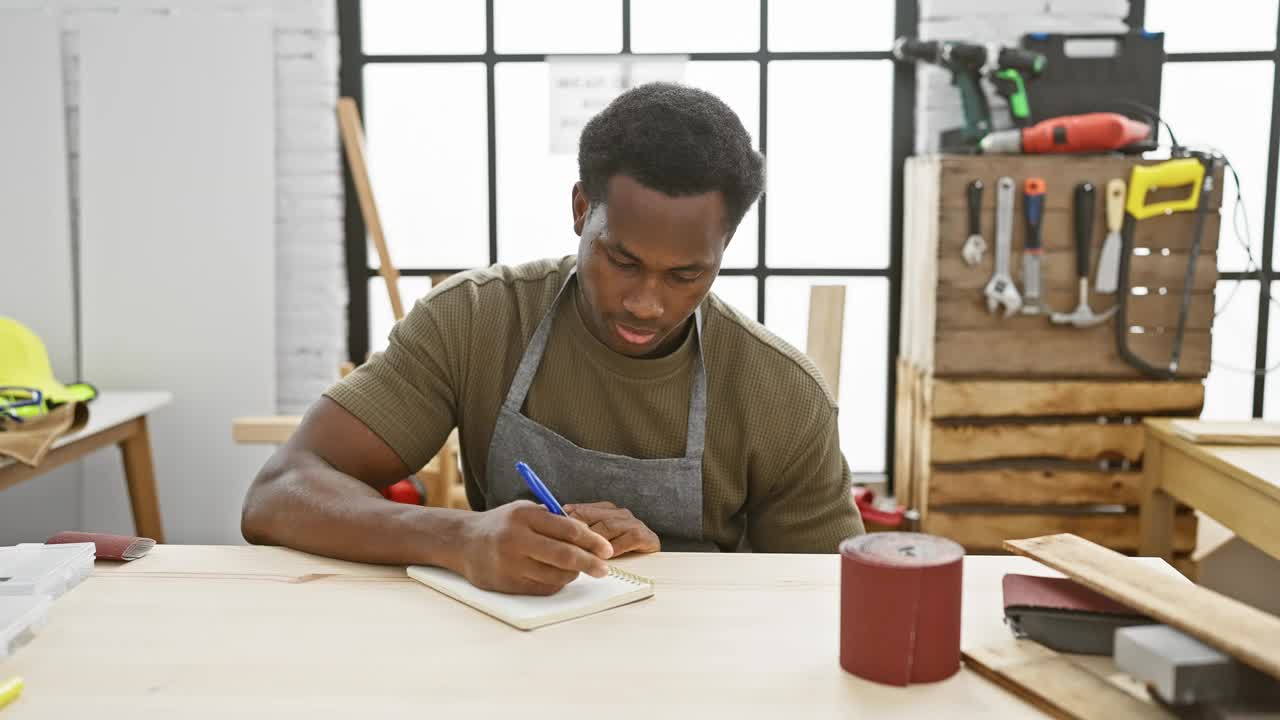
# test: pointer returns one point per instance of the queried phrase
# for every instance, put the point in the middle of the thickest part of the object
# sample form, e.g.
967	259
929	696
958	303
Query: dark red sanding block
107	546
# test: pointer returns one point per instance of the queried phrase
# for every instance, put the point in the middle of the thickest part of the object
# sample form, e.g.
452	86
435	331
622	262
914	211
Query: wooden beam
923	430
965	309
1002	398
1061	353
1172	232
904	435
1243	632
1055	684
988	531
1058	272
826	332
353	140
264	430
1047	486
1082	441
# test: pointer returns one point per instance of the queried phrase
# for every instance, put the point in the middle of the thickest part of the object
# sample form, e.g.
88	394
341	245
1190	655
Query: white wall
177	271
310	276
35	241
310	282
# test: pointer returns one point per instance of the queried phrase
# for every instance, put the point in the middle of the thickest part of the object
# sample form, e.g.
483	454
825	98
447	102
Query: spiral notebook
585	596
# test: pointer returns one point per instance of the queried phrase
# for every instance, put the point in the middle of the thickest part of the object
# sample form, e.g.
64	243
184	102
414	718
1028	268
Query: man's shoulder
525	287
759	360
533	275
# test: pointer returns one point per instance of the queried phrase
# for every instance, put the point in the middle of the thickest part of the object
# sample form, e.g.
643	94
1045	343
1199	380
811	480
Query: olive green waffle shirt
772	467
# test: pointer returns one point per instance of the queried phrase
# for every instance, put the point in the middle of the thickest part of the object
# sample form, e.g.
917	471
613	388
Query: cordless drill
1009	69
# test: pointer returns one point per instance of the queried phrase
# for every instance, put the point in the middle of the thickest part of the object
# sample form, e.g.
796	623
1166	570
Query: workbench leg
1156	517
140	476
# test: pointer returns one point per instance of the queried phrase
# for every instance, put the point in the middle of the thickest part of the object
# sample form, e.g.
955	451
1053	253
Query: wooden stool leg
140	476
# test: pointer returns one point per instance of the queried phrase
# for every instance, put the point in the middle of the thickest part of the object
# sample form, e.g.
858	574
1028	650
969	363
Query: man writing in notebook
658	415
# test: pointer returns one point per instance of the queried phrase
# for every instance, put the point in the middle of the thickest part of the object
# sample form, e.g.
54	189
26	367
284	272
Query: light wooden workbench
247	632
1239	486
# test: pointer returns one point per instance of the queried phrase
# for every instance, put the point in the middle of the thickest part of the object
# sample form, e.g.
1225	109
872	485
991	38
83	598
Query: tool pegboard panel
947	328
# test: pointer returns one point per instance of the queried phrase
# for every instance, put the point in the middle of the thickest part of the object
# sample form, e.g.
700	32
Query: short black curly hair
675	139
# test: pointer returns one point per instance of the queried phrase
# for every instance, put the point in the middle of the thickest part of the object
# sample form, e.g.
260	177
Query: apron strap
695	437
696	434
532	358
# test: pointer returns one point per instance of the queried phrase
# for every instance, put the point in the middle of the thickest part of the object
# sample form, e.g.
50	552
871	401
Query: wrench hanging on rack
1000	289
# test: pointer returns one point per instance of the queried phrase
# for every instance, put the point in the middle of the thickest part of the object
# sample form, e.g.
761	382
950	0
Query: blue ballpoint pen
539	490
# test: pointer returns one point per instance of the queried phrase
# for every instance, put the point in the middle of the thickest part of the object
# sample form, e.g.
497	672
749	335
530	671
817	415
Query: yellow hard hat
24	363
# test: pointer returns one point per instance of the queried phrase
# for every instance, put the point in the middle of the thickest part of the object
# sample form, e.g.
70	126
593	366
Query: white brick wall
998	21
310	277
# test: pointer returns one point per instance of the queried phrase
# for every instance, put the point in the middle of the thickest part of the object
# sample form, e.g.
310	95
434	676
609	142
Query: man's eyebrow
622	250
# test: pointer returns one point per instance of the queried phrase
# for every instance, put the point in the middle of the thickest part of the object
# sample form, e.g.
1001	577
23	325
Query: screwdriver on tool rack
1032	247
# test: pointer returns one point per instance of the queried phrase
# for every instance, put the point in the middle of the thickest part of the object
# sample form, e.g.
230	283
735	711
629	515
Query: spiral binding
629	577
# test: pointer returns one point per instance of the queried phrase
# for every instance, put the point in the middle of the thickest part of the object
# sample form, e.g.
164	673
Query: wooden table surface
241	632
1237	485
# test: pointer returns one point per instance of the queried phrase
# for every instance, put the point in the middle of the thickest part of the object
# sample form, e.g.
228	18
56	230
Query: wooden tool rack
1013	427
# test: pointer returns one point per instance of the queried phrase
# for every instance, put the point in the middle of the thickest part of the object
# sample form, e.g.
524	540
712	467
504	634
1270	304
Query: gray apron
665	494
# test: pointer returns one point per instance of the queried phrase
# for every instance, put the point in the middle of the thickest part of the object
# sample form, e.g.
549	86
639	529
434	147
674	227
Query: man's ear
581	204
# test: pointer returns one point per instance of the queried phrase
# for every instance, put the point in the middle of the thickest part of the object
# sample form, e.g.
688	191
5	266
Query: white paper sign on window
582	86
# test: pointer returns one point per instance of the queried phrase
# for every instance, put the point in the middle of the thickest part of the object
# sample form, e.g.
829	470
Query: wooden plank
1085	441
1061	173
1058	272
1175	232
353	141
826	332
920	464
1219	432
1033	486
1243	632
929	249
1061	353
264	430
988	531
1001	398
1055	684
967	309
903	435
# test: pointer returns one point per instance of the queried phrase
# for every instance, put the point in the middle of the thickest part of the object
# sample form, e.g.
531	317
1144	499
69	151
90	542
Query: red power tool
1091	132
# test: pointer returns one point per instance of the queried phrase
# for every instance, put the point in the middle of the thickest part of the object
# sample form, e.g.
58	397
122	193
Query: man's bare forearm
300	501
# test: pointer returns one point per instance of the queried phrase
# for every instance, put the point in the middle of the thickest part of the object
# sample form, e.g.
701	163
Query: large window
455	96
1217	61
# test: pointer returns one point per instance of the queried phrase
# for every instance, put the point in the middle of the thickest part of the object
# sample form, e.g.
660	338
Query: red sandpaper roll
900	607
